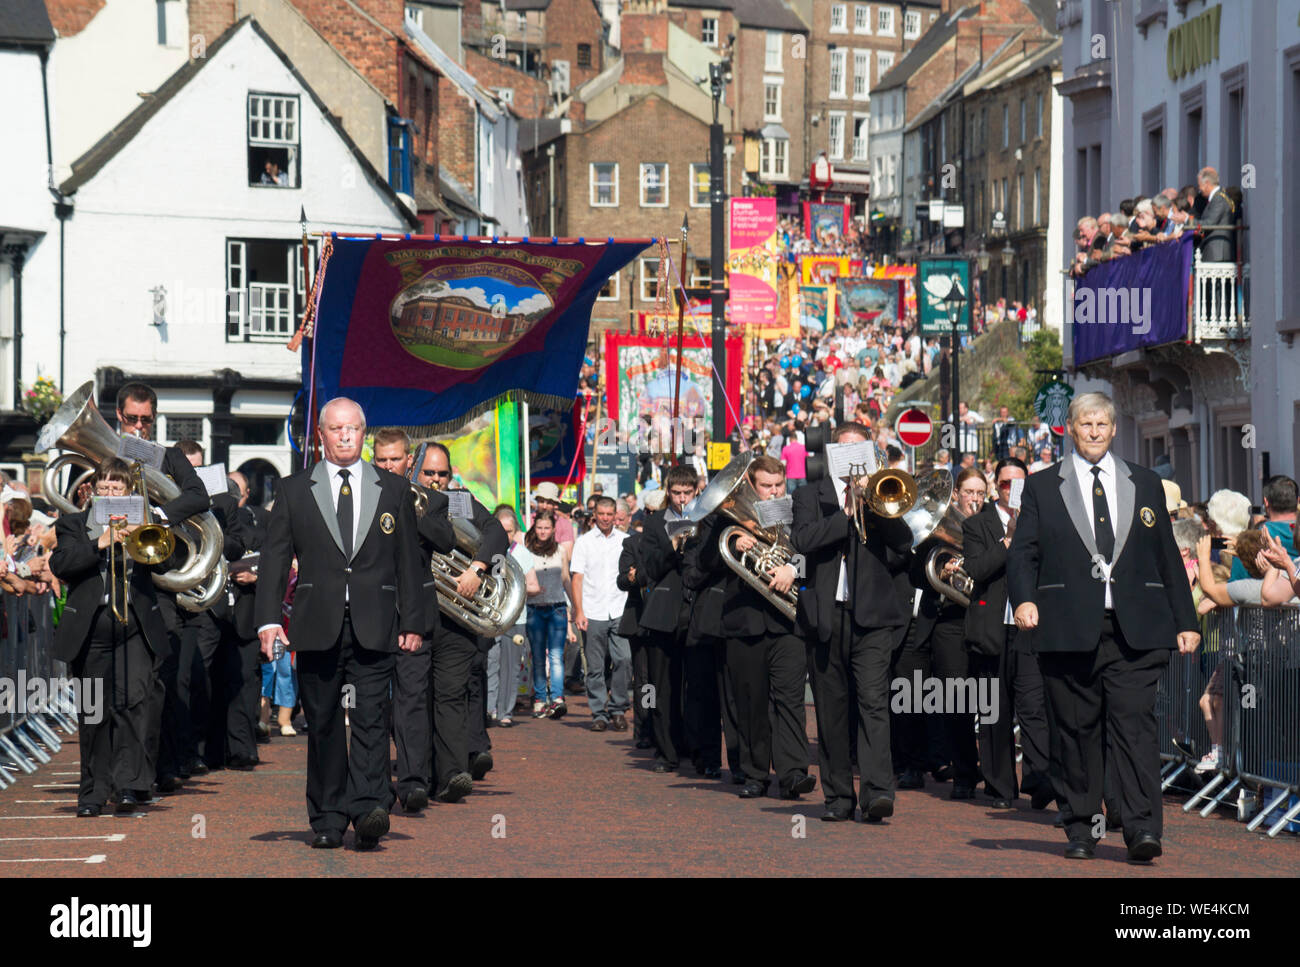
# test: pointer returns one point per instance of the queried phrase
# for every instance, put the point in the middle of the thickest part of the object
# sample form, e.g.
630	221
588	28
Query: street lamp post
719	75
953	304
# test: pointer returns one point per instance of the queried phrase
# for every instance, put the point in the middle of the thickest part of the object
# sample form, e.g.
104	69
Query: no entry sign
914	427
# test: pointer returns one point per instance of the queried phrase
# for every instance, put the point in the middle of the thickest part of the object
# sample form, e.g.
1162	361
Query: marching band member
849	616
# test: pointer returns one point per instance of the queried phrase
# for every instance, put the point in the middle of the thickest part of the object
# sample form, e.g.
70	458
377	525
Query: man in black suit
1094	570
113	737
137	414
632	579
413	670
358	600
850	617
666	618
1218	239
765	655
1003	655
460	744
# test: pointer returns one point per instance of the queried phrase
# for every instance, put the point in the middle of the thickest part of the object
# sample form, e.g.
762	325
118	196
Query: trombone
116	524
150	543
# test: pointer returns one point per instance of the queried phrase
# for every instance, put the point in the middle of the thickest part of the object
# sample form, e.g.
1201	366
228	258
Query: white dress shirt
1085	479
1005	516
595	557
842	588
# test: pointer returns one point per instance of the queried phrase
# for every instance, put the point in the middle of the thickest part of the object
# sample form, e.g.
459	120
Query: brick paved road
570	802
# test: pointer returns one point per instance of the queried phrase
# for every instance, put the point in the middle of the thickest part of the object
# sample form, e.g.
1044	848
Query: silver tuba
731	493
78	429
936	514
495	607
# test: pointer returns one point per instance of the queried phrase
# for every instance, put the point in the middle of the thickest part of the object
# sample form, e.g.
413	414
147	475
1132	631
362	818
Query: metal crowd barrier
30	713
1259	649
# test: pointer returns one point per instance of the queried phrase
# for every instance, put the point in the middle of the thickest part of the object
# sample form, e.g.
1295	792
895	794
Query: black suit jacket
382	580
1219	244
1051	563
193	498
668	604
822	532
83	567
436	534
734	608
254	525
986	563
629	626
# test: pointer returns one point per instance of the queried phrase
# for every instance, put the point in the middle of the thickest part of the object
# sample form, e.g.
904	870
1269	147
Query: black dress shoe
460	786
370	827
1080	849
644	744
877	809
1145	847
1003	804
169	784
836	815
89	810
197	767
416	800
803	784
662	767
242	762
753	790
942	774
127	801
962	790
911	779
480	764
713	772
327	841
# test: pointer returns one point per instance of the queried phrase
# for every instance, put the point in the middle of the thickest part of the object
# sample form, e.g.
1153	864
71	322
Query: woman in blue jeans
549	591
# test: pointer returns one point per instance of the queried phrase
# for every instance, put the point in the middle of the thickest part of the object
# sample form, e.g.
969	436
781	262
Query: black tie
1104	533
345	514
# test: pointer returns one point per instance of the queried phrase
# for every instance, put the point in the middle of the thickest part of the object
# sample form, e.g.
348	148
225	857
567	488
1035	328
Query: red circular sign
914	427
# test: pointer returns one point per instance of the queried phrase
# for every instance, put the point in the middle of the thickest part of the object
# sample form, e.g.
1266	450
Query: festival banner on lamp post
752	264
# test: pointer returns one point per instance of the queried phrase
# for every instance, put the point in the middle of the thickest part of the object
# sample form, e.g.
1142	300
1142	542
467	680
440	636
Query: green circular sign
1053	403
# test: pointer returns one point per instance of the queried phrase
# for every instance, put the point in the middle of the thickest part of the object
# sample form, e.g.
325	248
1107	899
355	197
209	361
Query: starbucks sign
1053	403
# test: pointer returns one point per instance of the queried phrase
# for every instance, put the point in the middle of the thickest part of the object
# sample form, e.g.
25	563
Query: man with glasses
137	415
460	741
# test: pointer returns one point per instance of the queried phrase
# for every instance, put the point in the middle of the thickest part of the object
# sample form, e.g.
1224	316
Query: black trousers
239	674
727	699
768	676
950	659
665	669
855	662
168	720
1019	684
413	718
910	746
345	781
454	652
702	704
199	708
1107	695
476	732
642	726
113	735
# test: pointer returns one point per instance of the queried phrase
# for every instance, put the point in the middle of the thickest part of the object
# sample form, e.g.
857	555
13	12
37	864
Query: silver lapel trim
1126	498
1074	504
320	486
368	489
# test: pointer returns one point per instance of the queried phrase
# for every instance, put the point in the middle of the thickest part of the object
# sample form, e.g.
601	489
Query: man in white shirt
598	606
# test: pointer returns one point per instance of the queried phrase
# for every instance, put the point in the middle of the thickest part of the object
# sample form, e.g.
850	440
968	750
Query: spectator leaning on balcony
1217	243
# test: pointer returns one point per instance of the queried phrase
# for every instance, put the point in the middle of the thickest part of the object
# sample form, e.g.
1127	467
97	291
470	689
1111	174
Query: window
884	62
861	74
1153	159
273	140
603	184
521	21
911	25
256	432
861	19
709	31
609	292
839	18
1023	128
771	101
838	59
772	51
836	125
699	185
265	288
1038	196
885	21
1006	125
649	280
1020	201
400	166
162	23
182	428
654	184
701	273
1004	196
584	55
1038	116
860	137
773	160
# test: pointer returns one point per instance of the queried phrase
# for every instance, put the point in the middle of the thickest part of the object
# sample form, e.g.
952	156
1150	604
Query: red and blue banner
555	443
1134	301
426	332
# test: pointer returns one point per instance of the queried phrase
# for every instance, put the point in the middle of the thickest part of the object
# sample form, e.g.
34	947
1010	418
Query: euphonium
78	428
937	515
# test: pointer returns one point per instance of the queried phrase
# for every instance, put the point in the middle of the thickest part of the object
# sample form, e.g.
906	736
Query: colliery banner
425	333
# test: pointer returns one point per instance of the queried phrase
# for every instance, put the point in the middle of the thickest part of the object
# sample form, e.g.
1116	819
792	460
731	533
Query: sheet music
1017	489
778	510
459	505
131	507
842	457
146	451
214	478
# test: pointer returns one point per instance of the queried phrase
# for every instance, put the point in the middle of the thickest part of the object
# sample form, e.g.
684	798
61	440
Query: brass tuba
936	514
731	493
78	428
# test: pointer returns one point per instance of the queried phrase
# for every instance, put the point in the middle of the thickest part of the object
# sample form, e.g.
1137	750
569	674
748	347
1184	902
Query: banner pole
528	462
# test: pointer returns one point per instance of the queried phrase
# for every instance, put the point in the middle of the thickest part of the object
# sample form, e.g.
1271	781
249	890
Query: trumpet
886	492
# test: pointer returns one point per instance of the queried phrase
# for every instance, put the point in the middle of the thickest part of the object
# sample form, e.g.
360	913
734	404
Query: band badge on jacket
386	523
1148	516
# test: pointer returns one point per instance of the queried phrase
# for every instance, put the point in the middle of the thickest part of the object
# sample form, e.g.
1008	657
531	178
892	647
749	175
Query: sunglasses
132	420
1004	485
436	473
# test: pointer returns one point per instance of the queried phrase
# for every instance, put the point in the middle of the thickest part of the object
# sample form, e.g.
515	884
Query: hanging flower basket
41	399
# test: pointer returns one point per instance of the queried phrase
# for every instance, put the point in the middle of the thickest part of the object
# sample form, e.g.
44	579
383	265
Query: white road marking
96	858
110	838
